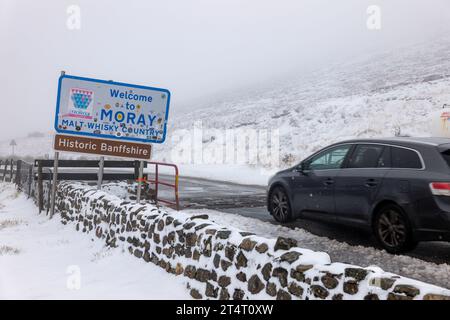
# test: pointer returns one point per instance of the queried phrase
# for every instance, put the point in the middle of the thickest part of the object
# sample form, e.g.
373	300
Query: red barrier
158	182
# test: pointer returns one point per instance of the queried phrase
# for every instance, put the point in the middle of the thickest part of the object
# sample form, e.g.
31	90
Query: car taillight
440	188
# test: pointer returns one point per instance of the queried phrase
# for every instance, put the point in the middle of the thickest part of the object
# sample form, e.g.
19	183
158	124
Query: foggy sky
195	48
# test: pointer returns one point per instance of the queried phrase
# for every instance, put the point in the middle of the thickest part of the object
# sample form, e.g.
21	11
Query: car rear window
405	158
446	156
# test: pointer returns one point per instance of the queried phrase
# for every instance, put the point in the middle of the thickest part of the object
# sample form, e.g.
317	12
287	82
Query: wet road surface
250	201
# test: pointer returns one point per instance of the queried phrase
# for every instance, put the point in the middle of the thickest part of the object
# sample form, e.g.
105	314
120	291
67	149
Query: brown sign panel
102	147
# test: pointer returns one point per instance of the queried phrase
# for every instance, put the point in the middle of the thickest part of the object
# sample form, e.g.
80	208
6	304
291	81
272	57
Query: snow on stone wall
222	263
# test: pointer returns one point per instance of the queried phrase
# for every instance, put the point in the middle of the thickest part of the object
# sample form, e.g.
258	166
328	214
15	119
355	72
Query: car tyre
393	230
279	206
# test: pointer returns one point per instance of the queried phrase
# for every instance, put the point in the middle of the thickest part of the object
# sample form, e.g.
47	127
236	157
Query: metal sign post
13	144
139	186
100	173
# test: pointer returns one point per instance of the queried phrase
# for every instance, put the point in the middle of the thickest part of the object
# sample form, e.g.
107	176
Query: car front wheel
279	205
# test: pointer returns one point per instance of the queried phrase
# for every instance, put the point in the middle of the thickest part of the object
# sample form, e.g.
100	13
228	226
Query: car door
358	184
314	184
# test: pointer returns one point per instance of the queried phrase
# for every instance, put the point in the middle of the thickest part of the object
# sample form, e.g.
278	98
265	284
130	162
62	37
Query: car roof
433	141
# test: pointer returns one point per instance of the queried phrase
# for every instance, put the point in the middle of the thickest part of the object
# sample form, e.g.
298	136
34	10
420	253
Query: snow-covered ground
437	274
42	259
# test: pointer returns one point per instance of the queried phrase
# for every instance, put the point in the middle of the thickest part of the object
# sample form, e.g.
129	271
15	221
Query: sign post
55	176
100	173
139	186
13	143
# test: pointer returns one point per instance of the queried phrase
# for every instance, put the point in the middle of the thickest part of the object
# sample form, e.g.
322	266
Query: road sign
111	110
102	147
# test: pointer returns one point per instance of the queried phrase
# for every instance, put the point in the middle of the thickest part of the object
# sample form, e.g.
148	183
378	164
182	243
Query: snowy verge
226	263
42	259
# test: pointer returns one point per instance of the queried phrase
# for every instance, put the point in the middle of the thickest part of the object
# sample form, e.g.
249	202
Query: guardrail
44	174
87	176
24	174
158	182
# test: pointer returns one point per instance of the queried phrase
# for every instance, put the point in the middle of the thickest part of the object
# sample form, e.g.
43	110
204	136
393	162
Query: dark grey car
397	187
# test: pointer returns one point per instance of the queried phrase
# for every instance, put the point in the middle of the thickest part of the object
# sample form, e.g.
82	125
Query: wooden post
49	183
54	182
55	177
139	186
11	172
6	170
100	173
136	169
30	180
40	187
18	173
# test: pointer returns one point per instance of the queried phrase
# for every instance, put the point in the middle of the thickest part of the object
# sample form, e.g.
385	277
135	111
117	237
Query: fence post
55	181
30	180
18	173
136	170
6	170
11	172
40	187
101	169
139	185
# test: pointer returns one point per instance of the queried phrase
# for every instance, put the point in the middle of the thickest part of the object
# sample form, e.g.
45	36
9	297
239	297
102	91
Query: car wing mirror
303	167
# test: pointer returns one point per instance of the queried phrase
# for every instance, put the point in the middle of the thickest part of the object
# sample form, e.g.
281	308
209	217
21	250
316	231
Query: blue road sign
112	110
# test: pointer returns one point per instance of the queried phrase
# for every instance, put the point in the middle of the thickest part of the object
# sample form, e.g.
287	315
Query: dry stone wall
223	263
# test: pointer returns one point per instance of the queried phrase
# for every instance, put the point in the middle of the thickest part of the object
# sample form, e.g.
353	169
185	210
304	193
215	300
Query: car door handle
328	182
371	183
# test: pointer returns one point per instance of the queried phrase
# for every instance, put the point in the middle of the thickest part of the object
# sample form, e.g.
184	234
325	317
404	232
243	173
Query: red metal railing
158	182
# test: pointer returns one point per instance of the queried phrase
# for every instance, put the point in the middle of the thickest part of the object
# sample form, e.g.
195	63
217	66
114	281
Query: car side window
330	159
405	158
366	156
385	158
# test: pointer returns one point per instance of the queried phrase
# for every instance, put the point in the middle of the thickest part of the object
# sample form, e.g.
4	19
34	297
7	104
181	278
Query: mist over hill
393	92
389	93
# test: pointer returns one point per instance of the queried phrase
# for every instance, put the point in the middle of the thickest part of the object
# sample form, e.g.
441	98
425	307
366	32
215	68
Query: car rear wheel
279	205
392	229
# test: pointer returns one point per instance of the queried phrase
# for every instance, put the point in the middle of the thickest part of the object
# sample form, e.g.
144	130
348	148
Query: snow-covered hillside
373	96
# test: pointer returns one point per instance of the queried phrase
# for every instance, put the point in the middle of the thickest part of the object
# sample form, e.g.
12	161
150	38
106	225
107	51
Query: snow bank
225	263
42	259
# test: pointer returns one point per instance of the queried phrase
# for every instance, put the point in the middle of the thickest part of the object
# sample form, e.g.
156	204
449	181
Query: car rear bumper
432	219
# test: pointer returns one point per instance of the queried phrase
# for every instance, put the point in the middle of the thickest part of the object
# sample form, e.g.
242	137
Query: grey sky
195	48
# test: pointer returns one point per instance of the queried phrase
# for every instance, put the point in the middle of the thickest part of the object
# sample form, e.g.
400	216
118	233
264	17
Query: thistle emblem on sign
81	98
80	103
